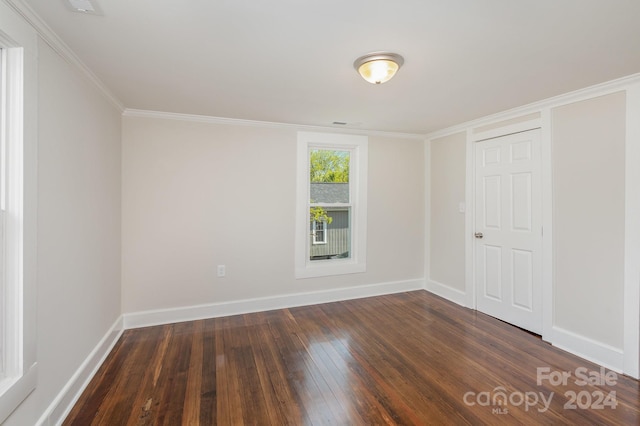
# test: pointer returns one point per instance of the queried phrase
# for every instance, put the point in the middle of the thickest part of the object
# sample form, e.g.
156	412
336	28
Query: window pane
329	176
335	235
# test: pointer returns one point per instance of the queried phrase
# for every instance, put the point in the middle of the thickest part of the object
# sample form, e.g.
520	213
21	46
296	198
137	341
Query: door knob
478	235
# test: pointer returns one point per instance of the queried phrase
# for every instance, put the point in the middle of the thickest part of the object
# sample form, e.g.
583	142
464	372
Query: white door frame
547	275
631	348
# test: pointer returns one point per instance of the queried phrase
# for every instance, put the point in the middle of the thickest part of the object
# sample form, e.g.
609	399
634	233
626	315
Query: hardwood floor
410	359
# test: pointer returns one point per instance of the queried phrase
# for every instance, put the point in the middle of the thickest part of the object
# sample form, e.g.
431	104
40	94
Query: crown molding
596	90
138	113
61	48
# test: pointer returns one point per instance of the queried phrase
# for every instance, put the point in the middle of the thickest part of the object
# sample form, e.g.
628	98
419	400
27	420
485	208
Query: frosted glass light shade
378	68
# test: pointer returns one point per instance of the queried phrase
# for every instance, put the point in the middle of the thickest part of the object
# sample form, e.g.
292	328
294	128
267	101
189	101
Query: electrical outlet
222	270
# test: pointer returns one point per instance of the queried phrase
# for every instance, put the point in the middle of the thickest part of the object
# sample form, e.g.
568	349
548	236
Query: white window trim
358	147
19	42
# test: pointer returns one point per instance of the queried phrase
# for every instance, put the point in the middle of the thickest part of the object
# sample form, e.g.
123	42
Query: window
3	156
18	198
319	231
331	214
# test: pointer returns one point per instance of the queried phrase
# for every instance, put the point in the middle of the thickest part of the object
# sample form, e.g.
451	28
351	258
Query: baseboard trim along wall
584	347
55	414
452	294
589	349
70	393
213	310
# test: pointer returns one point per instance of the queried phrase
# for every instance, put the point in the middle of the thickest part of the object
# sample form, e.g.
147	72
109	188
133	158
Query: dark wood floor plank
114	404
172	380
229	405
208	394
309	388
193	394
342	383
410	358
252	396
143	402
271	375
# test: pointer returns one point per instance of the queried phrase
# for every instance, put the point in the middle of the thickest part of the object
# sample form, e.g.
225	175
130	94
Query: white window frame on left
18	44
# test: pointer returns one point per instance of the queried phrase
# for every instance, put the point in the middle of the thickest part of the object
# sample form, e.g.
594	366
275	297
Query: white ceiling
290	61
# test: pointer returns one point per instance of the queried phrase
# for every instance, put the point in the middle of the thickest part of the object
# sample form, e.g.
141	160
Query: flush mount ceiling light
84	6
378	67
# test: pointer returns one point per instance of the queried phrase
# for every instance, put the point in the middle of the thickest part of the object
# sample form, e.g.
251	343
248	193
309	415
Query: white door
508	229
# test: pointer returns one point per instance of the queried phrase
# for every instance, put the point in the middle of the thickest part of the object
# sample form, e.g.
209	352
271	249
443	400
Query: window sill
324	268
17	392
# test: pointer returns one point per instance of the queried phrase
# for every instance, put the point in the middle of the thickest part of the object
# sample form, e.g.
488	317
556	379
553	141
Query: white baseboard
70	393
68	396
589	349
60	407
584	347
213	310
449	293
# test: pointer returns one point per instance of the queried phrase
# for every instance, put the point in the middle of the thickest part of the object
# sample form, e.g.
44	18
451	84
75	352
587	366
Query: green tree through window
329	166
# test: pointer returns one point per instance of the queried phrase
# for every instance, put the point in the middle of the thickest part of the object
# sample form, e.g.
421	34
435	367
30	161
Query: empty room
293	212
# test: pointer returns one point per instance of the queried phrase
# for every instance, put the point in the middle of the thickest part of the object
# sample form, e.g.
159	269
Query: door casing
542	122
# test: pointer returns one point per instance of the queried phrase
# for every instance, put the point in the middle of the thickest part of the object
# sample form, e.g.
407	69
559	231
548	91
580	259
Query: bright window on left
18	215
3	296
10	239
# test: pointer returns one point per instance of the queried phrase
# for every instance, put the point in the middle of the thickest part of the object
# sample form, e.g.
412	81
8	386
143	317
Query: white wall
588	143
447	223
78	226
196	195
